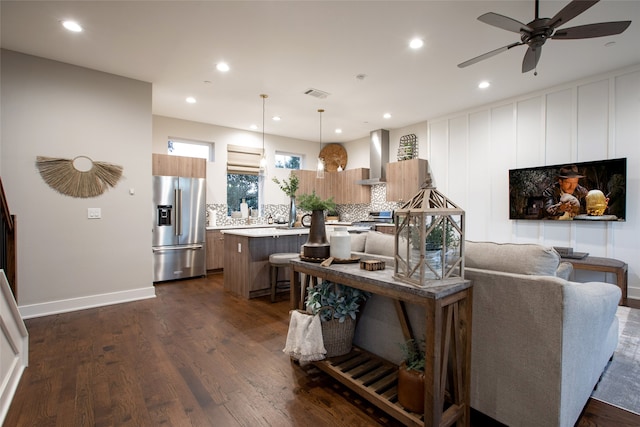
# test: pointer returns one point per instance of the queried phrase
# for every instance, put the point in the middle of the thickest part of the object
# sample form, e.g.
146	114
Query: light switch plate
94	213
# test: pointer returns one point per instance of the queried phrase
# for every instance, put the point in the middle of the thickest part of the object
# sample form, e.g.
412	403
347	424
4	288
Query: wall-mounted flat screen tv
587	191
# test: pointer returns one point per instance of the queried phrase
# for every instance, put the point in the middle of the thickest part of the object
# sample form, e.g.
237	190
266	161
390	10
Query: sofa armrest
589	338
564	270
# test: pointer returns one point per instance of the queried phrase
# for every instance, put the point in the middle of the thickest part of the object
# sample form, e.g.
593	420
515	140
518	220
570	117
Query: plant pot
337	336
317	245
411	389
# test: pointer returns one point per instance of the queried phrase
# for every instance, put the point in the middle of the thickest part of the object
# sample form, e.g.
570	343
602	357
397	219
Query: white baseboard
633	293
92	301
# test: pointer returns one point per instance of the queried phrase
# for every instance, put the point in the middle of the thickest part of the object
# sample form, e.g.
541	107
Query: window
239	187
190	148
288	160
243	180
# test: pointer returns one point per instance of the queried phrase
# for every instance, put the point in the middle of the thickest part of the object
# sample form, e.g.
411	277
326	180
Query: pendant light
320	171
263	160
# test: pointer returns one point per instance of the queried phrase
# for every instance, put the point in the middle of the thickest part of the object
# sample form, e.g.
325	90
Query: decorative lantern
429	238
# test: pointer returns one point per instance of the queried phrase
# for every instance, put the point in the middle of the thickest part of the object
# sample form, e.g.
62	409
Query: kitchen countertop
266	231
243	226
275	231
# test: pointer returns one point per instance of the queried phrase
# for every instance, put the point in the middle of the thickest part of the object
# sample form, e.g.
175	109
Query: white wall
165	127
471	152
66	261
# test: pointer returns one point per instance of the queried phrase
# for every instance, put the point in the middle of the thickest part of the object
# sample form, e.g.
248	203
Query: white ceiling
284	48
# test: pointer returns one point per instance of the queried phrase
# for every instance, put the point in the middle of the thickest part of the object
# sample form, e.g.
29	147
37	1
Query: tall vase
292	211
317	245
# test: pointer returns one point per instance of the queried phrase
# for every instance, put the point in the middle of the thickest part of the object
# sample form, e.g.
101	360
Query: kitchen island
246	260
246	255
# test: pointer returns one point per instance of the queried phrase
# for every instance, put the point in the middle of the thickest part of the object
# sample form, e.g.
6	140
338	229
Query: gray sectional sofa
539	341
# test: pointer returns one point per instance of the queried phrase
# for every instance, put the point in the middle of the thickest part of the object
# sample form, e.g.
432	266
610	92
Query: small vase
317	245
340	245
292	211
411	389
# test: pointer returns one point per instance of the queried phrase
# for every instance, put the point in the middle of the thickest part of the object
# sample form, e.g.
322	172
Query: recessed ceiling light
387	115
416	43
276	118
222	66
338	130
253	127
72	26
191	100
484	85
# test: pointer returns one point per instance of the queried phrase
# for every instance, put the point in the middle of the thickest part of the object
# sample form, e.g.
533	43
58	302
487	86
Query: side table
606	265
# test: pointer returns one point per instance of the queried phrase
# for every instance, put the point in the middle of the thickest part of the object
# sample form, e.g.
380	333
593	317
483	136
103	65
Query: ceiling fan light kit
537	32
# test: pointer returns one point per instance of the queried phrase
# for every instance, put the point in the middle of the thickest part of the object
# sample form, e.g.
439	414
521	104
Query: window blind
243	160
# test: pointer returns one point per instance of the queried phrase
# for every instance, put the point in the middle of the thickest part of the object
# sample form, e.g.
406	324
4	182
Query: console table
606	265
448	305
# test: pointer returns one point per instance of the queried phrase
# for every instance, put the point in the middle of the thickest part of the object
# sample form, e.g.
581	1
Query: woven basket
338	337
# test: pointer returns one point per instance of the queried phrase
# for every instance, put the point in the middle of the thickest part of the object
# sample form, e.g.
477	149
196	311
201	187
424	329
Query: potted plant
337	305
290	187
312	202
434	239
317	246
411	376
332	215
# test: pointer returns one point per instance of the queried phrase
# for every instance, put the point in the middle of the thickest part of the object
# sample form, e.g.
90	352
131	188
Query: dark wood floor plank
193	356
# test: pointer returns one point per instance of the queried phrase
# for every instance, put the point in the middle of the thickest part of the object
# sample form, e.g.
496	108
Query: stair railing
8	259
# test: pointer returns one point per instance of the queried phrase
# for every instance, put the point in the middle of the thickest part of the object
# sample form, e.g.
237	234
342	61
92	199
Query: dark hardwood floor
193	356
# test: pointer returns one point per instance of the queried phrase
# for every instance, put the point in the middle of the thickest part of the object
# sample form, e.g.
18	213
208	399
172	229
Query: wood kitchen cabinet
347	191
215	250
246	269
339	185
309	183
166	165
404	179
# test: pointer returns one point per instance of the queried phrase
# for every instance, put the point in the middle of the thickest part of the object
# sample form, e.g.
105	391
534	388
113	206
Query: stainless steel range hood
378	157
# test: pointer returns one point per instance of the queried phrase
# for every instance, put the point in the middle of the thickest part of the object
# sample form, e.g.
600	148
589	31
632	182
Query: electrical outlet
94	213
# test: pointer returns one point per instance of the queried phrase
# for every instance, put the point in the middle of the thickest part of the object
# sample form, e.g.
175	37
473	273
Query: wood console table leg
433	340
448	353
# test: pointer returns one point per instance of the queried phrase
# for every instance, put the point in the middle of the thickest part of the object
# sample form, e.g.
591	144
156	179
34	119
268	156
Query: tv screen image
586	191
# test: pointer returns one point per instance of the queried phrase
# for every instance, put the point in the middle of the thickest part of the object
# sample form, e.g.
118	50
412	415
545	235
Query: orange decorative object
334	156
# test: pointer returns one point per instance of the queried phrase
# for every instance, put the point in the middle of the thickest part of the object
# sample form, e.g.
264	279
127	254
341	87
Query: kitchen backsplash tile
347	212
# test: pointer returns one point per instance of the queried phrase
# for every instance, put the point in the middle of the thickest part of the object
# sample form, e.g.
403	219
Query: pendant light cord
263	161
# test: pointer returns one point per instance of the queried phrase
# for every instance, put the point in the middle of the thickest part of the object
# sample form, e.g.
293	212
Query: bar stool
277	261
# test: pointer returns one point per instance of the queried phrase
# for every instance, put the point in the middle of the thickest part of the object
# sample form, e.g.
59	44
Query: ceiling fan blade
592	30
531	59
504	22
488	55
570	11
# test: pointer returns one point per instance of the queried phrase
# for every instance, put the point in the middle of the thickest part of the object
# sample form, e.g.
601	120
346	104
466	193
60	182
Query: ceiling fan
535	33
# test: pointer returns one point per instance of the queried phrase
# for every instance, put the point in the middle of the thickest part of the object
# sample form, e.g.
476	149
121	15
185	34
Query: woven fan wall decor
63	176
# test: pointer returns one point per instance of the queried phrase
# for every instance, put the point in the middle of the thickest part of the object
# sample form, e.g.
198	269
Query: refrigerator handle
178	198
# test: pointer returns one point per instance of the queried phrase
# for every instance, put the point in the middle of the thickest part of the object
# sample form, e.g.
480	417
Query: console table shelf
447	336
370	375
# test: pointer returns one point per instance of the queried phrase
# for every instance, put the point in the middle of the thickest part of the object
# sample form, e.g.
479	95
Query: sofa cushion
518	258
378	243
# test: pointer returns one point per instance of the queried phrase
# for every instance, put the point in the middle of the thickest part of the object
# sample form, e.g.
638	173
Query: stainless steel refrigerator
179	249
